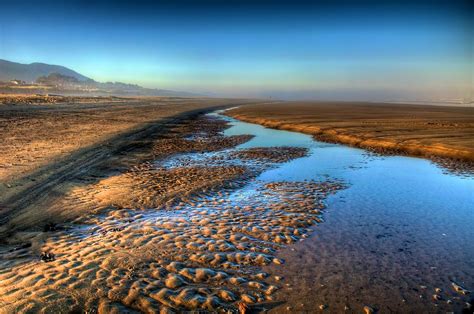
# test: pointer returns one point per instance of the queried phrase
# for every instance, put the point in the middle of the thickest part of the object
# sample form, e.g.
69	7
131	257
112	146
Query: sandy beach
46	146
416	130
93	219
236	157
158	205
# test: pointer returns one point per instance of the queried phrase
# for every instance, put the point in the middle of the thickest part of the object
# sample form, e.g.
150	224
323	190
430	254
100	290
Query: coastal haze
343	50
238	156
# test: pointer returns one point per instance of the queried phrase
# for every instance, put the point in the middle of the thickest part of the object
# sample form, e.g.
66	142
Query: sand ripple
169	239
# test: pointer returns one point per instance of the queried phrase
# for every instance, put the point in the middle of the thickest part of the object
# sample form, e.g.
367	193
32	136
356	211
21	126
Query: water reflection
401	225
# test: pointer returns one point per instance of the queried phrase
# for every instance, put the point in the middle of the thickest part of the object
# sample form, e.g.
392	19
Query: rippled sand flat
179	233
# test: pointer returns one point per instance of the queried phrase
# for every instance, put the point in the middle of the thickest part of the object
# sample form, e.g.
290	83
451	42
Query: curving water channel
338	230
395	240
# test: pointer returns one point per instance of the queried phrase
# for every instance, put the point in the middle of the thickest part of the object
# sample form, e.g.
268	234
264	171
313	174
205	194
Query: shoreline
182	222
80	143
378	146
166	232
453	159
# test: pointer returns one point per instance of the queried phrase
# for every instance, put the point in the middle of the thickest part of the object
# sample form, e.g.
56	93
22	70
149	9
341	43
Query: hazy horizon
300	50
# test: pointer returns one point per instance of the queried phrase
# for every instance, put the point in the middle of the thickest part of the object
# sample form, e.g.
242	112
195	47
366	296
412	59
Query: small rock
323	307
50	227
47	257
368	310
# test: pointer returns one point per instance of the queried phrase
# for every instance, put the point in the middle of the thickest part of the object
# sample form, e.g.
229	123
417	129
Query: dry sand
152	238
143	212
418	130
46	148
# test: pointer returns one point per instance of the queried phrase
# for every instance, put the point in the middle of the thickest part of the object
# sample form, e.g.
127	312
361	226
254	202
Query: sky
337	50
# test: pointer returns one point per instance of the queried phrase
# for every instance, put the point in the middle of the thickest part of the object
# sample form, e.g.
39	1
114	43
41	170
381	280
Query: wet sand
418	130
48	148
187	216
397	239
168	229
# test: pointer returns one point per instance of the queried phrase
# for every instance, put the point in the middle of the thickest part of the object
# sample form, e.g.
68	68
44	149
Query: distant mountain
58	79
30	72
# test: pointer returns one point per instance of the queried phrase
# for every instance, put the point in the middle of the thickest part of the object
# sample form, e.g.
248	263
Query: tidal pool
337	230
394	240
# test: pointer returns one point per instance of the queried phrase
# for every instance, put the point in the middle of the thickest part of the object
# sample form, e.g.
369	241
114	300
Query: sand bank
418	130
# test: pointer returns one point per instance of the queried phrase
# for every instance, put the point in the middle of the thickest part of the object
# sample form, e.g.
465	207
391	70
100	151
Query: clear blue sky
294	49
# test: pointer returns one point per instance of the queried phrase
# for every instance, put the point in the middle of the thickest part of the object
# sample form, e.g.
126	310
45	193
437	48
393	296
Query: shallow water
399	229
402	228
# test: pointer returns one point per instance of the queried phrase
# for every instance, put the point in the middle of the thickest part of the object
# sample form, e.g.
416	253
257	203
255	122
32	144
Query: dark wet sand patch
272	154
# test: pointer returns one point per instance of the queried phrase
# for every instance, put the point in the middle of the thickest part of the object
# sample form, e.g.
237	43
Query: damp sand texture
221	215
188	229
418	130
